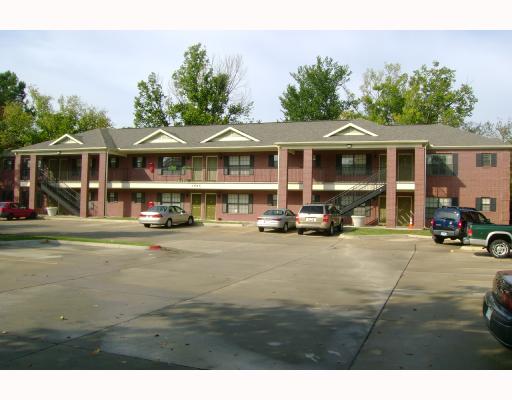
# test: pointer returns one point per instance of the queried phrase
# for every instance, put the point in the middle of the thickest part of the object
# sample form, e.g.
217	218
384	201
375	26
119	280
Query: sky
103	67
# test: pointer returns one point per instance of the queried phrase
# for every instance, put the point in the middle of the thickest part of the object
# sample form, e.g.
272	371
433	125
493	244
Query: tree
204	93
316	94
16	127
150	104
500	129
11	89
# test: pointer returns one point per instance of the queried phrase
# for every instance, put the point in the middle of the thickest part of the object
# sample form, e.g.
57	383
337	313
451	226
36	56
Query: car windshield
312	210
273	212
446	214
158	209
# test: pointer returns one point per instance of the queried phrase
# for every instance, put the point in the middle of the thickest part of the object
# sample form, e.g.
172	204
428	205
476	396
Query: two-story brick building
392	175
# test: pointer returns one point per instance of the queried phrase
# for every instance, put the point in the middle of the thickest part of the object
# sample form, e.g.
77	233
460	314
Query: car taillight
459	225
259	218
325	218
297	219
503	288
155	216
432	222
470	231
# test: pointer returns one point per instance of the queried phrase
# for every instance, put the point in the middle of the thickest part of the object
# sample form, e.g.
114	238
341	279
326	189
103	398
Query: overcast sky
103	67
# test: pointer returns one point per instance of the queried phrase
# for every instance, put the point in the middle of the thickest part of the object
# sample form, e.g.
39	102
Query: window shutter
455	201
143	162
479	161
224	203
226	165
270	198
134	162
455	164
182	199
143	198
494	159
182	165
250	204
134	197
479	203
159	198
318	161
338	160
493	203
271	160
160	162
251	161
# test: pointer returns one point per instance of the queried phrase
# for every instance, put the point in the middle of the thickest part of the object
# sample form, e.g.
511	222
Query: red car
10	210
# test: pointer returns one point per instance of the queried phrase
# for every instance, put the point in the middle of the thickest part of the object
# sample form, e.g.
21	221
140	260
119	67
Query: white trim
229	128
191	185
69	137
350	125
161	132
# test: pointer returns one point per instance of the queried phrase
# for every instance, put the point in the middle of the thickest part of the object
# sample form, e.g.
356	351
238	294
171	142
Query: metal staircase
360	193
59	192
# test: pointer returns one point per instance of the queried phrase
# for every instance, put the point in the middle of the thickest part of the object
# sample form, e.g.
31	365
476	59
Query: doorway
403	210
211	168
196	205
211	205
405	167
197	168
382	209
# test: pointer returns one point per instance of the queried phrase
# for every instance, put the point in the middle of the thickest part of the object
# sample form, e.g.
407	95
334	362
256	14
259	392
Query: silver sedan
276	218
166	216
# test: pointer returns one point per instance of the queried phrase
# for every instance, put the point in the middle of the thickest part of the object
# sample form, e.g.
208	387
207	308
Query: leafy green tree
207	94
499	129
16	127
316	92
150	104
11	89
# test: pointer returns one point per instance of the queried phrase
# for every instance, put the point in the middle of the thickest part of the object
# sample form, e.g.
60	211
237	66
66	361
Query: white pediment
160	136
350	129
66	139
230	134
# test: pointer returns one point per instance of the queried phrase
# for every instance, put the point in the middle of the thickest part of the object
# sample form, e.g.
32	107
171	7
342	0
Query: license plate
488	313
311	219
444	234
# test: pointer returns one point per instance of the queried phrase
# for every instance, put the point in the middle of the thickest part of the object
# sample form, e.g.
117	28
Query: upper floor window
113	162
239	165
442	164
486	159
486	204
273	160
8	163
353	164
317	161
139	162
171	165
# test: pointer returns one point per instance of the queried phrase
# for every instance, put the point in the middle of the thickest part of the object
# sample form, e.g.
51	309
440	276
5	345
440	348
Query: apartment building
392	175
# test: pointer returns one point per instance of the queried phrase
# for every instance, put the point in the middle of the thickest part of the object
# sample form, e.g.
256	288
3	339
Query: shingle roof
271	133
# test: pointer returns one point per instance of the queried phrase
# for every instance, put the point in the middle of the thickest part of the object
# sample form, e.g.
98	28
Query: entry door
405	167
403	210
382	166
196	205
211	205
211	169
197	168
382	209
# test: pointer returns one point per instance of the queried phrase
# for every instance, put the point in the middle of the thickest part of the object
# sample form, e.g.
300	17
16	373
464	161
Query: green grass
385	231
10	238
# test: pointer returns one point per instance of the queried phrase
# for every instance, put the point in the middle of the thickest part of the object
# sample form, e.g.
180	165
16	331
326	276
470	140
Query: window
442	164
171	165
315	198
113	162
8	163
273	160
139	197
353	164
272	200
139	162
317	161
93	195
486	159
240	165
112	197
433	203
235	203
172	199
486	204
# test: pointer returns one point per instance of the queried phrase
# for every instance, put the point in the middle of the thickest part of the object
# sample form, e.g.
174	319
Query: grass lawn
9	238
384	231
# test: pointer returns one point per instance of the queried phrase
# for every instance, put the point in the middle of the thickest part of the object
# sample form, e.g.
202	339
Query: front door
197	168
405	167
196	205
403	210
211	205
382	209
211	169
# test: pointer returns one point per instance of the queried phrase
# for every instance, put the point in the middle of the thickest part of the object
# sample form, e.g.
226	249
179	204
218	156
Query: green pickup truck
497	239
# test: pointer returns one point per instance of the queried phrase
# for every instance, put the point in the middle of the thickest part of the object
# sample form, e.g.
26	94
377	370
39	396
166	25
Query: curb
92	244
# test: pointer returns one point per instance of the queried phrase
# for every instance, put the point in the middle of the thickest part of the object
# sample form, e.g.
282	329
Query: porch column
307	177
102	183
391	187
84	186
17	178
33	182
419	187
282	182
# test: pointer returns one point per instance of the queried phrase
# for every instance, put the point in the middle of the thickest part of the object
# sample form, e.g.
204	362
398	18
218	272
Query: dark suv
451	222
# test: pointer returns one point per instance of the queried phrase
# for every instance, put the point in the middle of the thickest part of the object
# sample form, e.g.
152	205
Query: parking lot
229	297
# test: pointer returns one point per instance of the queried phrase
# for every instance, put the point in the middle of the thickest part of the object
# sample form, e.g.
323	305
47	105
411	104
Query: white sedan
276	218
166	216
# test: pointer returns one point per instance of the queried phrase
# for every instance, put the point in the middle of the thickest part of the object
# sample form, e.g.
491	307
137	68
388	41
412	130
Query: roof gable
66	139
160	136
230	134
350	129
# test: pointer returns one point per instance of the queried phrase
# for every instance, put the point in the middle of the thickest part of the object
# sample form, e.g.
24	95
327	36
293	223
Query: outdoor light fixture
349	146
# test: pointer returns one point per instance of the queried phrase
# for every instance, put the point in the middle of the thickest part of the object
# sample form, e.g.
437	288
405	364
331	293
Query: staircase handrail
374	179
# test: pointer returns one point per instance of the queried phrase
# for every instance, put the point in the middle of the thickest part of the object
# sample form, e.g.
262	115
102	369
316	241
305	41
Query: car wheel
285	228
261	229
438	240
9	217
500	248
190	221
168	223
300	231
147	225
